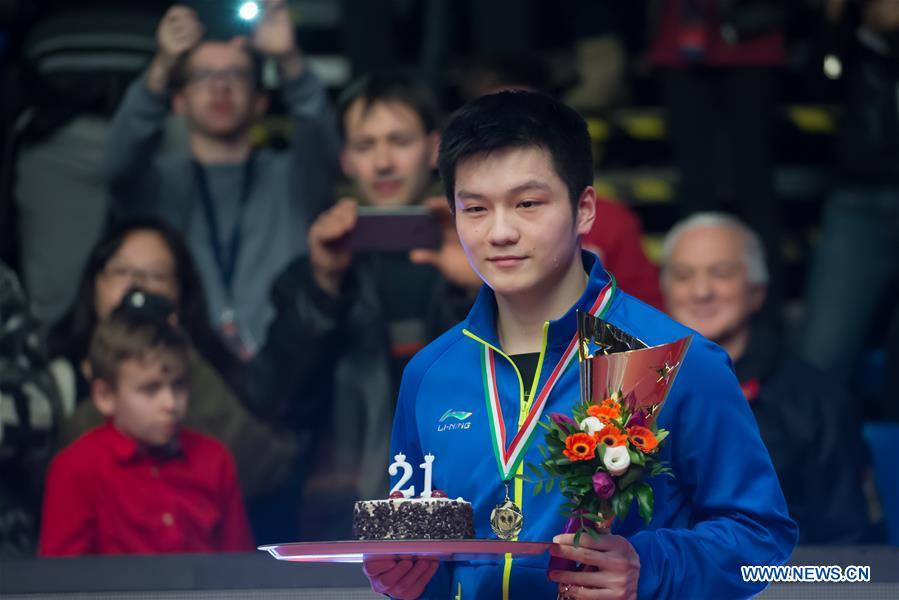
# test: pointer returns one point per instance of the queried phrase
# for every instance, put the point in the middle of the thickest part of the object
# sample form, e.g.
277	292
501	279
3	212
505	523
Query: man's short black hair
401	86
518	119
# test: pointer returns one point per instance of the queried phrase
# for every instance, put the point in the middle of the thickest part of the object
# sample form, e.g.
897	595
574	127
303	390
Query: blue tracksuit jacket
723	509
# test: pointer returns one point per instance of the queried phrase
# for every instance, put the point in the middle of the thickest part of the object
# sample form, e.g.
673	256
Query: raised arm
314	297
138	123
315	143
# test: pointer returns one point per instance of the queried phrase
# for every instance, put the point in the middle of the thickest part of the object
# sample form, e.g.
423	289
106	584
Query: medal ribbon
508	458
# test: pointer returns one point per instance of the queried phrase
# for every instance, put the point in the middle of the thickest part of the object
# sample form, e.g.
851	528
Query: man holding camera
366	312
242	210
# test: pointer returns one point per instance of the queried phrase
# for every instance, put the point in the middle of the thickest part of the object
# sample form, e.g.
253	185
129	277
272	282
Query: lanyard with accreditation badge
506	519
226	258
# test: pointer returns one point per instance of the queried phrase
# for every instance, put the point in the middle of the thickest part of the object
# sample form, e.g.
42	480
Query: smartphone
147	303
224	20
395	229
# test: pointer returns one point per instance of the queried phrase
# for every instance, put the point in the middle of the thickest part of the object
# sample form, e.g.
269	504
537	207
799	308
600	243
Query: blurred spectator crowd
196	354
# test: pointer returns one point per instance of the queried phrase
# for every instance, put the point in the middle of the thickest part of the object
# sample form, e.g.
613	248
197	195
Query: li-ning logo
461	420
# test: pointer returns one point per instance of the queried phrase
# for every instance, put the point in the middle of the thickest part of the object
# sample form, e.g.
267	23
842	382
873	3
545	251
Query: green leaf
616	503
549	485
542	450
594	534
634	473
538	487
601	451
625	498
592	517
661	435
637	458
644	501
577	537
533	469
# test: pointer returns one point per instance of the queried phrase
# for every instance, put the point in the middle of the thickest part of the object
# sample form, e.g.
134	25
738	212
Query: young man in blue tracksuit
517	169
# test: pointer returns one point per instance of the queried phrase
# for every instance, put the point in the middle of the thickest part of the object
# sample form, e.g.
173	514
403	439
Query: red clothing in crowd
615	237
765	50
105	495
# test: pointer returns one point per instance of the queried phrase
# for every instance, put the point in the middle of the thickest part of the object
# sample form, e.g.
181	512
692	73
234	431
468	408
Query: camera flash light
248	11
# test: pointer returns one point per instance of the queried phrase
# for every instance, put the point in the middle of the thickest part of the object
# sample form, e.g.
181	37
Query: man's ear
433	148
586	211
346	165
103	395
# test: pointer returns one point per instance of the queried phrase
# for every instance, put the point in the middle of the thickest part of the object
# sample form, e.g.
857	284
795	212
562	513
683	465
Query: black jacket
868	144
813	434
326	365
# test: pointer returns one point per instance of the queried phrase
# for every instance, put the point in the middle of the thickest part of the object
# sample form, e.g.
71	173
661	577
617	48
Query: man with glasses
243	211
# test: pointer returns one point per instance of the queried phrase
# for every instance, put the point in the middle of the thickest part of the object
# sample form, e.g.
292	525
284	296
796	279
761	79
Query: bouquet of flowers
601	454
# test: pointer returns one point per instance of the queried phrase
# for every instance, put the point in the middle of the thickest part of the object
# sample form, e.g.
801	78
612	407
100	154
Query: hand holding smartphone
395	229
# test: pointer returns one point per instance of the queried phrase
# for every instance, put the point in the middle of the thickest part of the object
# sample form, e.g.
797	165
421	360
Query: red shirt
105	495
765	50
615	237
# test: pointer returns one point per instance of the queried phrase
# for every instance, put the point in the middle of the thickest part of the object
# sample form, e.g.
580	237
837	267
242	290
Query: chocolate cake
413	519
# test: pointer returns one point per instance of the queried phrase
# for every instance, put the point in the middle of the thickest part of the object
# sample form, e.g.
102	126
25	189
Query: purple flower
560	419
603	485
637	419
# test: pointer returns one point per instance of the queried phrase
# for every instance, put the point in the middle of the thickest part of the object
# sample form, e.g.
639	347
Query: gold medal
506	519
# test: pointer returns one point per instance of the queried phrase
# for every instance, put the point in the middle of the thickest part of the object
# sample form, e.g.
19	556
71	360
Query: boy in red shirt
140	484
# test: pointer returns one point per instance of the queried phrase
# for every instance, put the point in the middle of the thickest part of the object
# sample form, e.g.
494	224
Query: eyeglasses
231	76
120	273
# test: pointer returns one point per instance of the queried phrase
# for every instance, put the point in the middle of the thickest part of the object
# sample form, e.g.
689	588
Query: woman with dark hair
172	274
148	255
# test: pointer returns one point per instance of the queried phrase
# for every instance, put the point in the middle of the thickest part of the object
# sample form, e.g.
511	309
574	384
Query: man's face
706	286
515	222
387	152
148	400
220	99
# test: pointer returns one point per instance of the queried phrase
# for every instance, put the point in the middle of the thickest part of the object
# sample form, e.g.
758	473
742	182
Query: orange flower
579	446
611	436
605	412
642	438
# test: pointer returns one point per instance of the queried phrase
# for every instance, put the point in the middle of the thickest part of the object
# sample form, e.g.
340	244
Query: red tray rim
356	550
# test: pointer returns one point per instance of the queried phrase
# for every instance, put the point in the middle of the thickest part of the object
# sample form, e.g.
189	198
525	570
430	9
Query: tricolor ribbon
509	457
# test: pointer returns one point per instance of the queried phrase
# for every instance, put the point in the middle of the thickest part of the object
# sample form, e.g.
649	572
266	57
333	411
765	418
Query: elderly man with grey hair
714	280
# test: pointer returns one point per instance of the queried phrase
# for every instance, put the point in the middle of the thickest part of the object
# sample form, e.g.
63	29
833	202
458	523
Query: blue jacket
723	509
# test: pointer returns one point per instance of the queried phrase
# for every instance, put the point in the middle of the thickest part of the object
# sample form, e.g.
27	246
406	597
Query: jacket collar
481	320
126	449
762	354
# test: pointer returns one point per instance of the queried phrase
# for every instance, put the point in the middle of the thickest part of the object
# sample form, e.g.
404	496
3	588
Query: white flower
616	460
591	425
